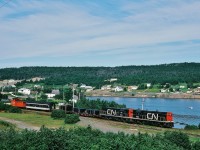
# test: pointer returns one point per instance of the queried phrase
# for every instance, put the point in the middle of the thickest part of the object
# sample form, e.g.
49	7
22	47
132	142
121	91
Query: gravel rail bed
107	125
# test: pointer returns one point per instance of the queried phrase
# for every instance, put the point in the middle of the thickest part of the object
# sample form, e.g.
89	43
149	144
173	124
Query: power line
6	2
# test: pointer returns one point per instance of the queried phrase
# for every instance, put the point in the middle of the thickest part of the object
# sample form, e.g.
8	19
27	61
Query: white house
164	90
24	91
88	88
56	92
50	95
37	79
83	86
148	85
118	89
130	88
197	90
113	79
106	87
182	86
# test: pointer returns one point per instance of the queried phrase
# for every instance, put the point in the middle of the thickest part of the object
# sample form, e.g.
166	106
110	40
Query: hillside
95	76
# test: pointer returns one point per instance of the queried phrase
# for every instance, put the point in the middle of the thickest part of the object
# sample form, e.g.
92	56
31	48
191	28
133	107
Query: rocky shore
143	94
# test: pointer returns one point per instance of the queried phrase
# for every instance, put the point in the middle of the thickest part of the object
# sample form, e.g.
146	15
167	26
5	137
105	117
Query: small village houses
118	89
24	91
106	87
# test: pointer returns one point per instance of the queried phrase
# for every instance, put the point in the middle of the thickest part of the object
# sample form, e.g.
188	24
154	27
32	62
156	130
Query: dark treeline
82	139
97	104
95	76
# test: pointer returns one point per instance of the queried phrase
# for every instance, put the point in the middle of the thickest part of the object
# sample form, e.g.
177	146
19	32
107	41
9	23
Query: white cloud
35	28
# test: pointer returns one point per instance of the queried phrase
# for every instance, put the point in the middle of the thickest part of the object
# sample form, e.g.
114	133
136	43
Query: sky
98	32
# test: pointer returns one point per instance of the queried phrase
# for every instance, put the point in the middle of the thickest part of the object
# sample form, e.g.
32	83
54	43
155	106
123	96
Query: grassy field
37	120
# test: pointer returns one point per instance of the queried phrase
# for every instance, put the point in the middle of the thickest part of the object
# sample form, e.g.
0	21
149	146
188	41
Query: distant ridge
163	73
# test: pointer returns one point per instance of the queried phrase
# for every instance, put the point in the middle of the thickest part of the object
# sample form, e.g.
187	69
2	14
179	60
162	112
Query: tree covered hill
95	76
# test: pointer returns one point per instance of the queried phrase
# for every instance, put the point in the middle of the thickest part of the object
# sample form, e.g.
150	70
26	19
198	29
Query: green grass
194	139
37	120
153	90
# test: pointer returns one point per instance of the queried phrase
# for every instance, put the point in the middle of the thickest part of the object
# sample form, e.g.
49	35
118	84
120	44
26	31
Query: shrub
6	124
4	106
71	118
58	114
84	138
14	110
191	127
178	138
10	109
196	145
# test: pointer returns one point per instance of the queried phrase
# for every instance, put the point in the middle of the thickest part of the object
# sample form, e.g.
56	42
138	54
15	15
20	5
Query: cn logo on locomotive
152	116
111	112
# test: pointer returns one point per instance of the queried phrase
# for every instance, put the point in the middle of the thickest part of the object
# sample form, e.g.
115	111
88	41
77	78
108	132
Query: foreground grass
40	120
37	120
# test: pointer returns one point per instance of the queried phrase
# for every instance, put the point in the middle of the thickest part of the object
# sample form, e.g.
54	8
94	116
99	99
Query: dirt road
20	124
107	125
103	125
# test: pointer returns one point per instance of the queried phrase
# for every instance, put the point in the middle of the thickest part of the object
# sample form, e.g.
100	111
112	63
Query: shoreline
143	95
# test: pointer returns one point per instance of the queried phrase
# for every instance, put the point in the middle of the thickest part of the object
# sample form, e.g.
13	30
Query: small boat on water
190	107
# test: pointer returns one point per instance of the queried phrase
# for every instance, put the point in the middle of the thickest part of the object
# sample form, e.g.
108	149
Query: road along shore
143	94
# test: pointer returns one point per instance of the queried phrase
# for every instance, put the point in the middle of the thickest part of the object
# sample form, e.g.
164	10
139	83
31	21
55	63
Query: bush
58	114
196	145
6	124
71	118
191	127
14	110
84	138
4	106
9	108
178	138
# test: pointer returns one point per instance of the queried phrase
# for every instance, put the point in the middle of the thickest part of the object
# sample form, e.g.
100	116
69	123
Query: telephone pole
73	97
63	94
143	104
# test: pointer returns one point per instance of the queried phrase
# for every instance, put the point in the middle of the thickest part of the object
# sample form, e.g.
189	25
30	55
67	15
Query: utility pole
63	95
143	104
36	96
73	97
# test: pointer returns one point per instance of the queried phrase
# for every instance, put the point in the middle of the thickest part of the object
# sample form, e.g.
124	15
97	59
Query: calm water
186	111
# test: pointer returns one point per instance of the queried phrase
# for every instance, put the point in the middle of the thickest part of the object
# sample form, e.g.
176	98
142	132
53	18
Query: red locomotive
35	105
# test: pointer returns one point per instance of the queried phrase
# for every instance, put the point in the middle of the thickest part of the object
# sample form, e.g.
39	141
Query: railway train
128	115
44	106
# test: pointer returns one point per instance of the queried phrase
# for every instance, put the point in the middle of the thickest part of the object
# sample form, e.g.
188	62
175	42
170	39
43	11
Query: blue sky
98	32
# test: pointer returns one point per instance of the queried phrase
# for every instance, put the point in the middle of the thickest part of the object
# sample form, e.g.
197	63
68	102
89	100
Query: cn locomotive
43	106
128	115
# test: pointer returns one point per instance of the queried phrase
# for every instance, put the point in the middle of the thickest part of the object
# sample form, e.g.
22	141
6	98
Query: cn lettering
152	116
111	112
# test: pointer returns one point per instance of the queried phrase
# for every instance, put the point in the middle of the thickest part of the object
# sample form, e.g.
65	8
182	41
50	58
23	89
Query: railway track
36	112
